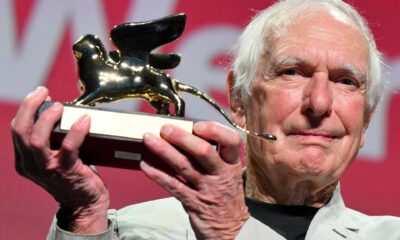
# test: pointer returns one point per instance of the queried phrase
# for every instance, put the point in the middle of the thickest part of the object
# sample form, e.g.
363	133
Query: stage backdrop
36	38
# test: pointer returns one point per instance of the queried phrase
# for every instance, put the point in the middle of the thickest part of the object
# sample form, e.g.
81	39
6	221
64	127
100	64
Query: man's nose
317	98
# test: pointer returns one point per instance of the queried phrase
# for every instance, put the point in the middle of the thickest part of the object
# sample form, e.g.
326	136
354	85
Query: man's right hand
82	194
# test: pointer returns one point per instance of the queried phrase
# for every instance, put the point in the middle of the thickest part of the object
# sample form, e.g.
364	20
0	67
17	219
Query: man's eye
290	72
348	81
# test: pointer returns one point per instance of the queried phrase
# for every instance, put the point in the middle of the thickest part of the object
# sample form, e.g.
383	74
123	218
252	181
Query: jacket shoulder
375	227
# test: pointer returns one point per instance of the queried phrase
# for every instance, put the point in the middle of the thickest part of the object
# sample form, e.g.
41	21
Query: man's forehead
322	12
323	36
315	16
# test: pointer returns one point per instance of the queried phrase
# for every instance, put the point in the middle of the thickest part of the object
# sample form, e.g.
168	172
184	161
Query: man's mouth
315	135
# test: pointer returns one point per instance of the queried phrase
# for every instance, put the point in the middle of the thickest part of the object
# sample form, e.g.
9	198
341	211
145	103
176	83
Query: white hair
258	37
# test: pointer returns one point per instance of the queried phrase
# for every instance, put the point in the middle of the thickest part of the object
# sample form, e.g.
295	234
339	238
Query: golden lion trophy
131	71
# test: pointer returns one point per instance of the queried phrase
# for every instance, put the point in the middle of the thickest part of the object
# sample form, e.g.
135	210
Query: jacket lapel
331	222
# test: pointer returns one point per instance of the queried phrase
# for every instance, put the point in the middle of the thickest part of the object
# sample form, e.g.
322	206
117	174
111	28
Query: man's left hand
210	184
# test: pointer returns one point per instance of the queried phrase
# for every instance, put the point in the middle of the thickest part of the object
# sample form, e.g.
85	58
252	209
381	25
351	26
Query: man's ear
362	142
235	101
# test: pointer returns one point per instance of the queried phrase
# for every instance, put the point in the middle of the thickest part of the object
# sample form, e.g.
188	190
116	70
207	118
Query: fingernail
166	130
56	106
200	126
84	119
144	165
149	138
37	91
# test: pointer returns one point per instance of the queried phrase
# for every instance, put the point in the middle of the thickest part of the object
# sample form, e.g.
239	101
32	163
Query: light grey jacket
166	219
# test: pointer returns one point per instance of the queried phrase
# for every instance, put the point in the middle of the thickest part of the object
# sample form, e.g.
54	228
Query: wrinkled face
310	92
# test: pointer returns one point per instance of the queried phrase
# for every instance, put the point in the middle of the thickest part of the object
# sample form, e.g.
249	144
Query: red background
26	209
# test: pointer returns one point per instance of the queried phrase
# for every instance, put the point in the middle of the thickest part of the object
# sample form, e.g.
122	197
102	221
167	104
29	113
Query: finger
202	151
175	159
39	138
21	127
171	184
69	150
228	139
24	119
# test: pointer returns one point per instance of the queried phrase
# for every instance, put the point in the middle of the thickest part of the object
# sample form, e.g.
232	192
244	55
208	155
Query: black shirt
291	222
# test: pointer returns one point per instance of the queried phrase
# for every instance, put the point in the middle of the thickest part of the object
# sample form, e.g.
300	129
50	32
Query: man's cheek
283	104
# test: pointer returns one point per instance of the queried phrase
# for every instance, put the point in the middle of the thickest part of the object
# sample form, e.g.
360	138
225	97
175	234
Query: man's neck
286	191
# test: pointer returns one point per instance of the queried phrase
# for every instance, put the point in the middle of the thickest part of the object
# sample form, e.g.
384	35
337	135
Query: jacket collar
332	222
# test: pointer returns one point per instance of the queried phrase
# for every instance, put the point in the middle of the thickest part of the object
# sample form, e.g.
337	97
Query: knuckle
16	128
182	165
47	116
163	151
235	139
213	127
68	145
174	185
36	142
205	150
13	125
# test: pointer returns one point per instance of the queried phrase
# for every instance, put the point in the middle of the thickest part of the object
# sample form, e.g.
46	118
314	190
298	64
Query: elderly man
307	72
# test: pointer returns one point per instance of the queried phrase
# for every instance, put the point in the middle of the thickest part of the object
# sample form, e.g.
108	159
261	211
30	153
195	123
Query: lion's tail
192	90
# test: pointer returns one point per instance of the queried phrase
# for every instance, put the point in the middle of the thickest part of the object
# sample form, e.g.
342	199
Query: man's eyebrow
354	71
287	60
